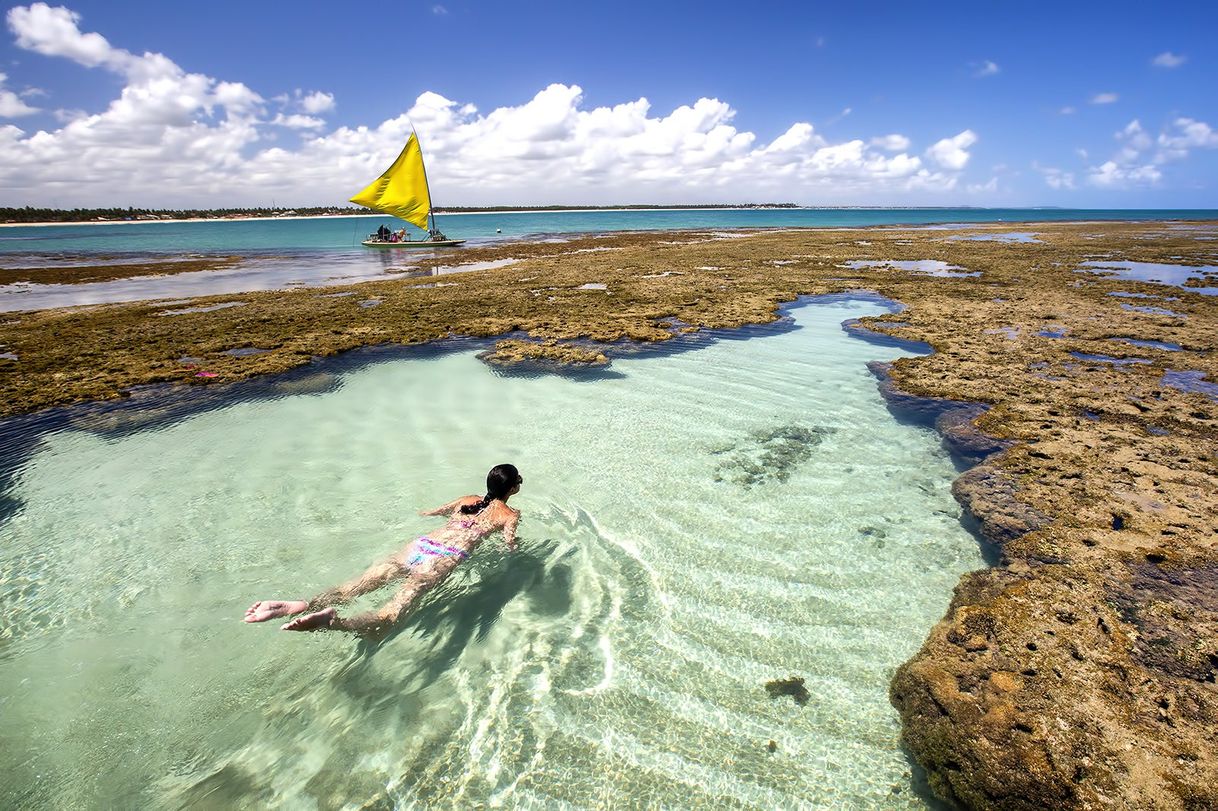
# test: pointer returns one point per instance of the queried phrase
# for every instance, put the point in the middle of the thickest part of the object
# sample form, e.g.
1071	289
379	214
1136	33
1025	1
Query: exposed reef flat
1080	671
98	270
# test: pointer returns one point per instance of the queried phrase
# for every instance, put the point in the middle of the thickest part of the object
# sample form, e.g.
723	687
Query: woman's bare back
466	531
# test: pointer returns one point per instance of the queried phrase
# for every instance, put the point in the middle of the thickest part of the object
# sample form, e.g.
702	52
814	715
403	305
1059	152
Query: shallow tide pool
695	524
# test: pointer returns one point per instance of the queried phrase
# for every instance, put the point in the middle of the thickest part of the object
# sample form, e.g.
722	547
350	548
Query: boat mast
430	213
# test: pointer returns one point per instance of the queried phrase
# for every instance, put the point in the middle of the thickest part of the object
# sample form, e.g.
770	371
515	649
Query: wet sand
1077	672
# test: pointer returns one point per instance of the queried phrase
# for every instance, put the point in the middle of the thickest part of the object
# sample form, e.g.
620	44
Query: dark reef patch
792	686
768	454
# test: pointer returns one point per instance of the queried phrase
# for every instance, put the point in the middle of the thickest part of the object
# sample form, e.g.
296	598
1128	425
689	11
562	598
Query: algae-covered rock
989	495
513	351
1034	693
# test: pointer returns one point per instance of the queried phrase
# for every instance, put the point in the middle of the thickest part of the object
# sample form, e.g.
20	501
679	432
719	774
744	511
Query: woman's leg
373	622
371	580
374	578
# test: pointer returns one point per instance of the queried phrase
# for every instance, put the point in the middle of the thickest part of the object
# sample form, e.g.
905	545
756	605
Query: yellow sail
402	190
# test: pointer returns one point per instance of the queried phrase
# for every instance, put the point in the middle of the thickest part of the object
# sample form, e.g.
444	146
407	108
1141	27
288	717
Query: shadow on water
460	614
454	617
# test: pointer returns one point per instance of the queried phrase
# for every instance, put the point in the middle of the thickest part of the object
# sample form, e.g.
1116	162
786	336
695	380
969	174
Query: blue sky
1105	105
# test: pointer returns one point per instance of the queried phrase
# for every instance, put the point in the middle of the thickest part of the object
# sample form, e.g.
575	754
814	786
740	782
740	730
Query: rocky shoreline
1078	672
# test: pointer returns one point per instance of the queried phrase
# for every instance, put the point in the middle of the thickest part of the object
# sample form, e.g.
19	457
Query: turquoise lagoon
696	523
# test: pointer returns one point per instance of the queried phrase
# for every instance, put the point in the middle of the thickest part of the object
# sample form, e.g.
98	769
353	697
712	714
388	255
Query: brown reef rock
513	351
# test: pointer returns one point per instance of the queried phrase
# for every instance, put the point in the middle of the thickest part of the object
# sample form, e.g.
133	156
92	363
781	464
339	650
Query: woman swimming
422	565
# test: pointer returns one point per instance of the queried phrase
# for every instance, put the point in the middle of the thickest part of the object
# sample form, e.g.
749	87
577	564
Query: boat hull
421	243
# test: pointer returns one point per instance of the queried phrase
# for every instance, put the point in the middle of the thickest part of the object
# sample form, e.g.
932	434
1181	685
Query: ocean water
337	233
696	523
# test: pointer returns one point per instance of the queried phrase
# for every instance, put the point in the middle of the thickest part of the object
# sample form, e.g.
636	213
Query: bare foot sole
312	622
264	610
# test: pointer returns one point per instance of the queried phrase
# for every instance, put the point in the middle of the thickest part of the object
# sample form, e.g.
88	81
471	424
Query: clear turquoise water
695	524
345	232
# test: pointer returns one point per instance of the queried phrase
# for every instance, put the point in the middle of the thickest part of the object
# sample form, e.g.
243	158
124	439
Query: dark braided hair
499	484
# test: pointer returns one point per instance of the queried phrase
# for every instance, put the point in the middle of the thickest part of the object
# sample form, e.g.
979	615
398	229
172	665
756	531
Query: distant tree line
29	214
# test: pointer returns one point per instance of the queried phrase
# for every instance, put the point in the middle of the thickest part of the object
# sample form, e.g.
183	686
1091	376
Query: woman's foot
264	610
312	622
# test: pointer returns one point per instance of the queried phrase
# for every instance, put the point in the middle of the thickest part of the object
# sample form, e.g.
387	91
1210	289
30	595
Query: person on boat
382	233
401	235
424	564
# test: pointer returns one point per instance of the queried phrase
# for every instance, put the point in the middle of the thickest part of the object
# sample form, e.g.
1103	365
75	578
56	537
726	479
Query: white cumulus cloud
1111	173
11	104
894	142
1104	98
1185	134
1128	167
1190	133
1167	59
53	32
952	153
1134	141
317	102
298	122
175	138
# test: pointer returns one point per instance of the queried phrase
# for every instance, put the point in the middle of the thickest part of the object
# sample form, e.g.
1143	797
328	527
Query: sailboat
401	191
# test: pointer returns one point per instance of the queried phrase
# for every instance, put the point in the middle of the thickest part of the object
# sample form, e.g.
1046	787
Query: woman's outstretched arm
448	508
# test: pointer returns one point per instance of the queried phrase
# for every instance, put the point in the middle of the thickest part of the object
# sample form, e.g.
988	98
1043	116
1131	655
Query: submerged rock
768	455
792	686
